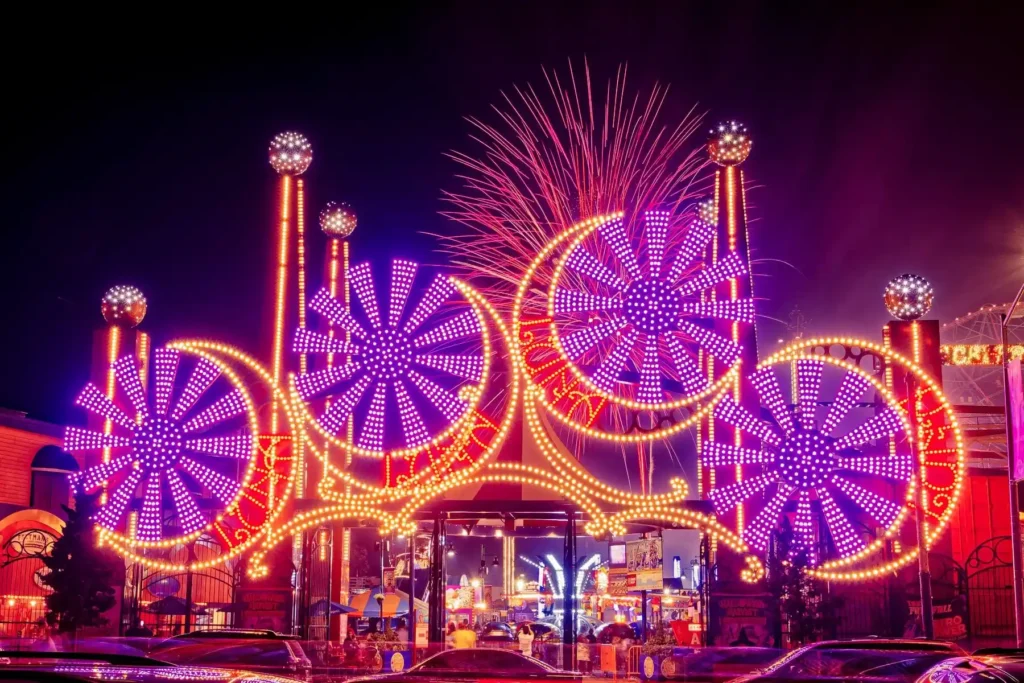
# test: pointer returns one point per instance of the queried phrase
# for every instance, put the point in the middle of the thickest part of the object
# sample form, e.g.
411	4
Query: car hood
160	674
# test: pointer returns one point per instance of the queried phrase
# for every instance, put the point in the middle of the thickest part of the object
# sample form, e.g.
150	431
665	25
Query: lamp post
1015	535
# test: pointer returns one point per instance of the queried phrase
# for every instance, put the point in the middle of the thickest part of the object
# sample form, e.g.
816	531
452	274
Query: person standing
526	640
464	636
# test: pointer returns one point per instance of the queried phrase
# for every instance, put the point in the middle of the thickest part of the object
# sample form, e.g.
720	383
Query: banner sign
644	565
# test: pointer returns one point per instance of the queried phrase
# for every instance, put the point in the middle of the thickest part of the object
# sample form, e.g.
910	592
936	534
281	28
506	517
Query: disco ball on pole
729	144
290	153
908	297
123	306
338	220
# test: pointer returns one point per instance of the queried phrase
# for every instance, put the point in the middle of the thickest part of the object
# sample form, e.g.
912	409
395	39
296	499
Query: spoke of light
334	420
736	415
650	372
740	310
321	380
95	401
332	309
697	238
96	475
111	514
226	407
726	498
720	454
465	324
190	519
884	424
450	405
725	350
579	342
223	488
150	527
78	439
846	539
468	367
614	233
690	375
372	435
852	388
439	291
584	262
572	301
656	222
766	381
413	429
881	510
757	533
362	282
203	376
727	268
897	467
403	273
308	341
607	374
237	446
808	386
803	527
165	367
126	369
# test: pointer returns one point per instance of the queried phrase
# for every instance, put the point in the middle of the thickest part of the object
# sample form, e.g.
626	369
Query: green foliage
660	643
804	602
82	575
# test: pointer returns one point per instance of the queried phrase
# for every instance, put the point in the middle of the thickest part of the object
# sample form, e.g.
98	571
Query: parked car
865	659
476	664
714	664
75	667
235	633
270	654
984	666
498	632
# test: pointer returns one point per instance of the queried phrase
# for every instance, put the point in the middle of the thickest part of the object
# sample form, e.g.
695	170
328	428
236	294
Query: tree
82	575
803	601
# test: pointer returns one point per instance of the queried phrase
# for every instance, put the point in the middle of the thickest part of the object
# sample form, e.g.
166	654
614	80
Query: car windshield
839	662
485	660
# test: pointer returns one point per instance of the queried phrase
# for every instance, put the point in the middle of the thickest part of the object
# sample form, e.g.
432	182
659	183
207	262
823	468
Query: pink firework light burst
168	438
404	373
552	161
806	461
634	318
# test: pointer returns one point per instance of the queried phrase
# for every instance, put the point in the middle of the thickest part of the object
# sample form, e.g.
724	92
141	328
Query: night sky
883	143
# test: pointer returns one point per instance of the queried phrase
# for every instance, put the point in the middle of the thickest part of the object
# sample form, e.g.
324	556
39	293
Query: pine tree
82	575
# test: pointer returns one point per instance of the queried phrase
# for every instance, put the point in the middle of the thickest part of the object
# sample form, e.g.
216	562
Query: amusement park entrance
423	569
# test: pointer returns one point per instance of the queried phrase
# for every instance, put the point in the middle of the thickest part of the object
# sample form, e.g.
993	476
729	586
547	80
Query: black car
476	664
866	659
990	666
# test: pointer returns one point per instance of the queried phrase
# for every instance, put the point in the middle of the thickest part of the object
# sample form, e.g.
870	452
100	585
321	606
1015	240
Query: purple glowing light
806	462
158	445
620	316
416	358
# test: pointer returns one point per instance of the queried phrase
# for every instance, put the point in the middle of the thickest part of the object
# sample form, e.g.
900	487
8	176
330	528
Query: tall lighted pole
338	221
728	147
123	308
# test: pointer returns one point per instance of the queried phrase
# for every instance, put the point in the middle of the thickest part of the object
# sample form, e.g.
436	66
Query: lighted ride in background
626	328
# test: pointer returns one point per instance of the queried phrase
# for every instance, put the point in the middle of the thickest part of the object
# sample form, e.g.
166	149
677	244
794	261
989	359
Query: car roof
253	634
885	644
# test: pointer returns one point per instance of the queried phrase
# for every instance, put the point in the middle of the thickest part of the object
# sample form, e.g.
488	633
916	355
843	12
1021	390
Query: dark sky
885	141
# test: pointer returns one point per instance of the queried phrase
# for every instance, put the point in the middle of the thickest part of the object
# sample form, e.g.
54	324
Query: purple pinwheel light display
814	465
632	328
404	373
201	440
